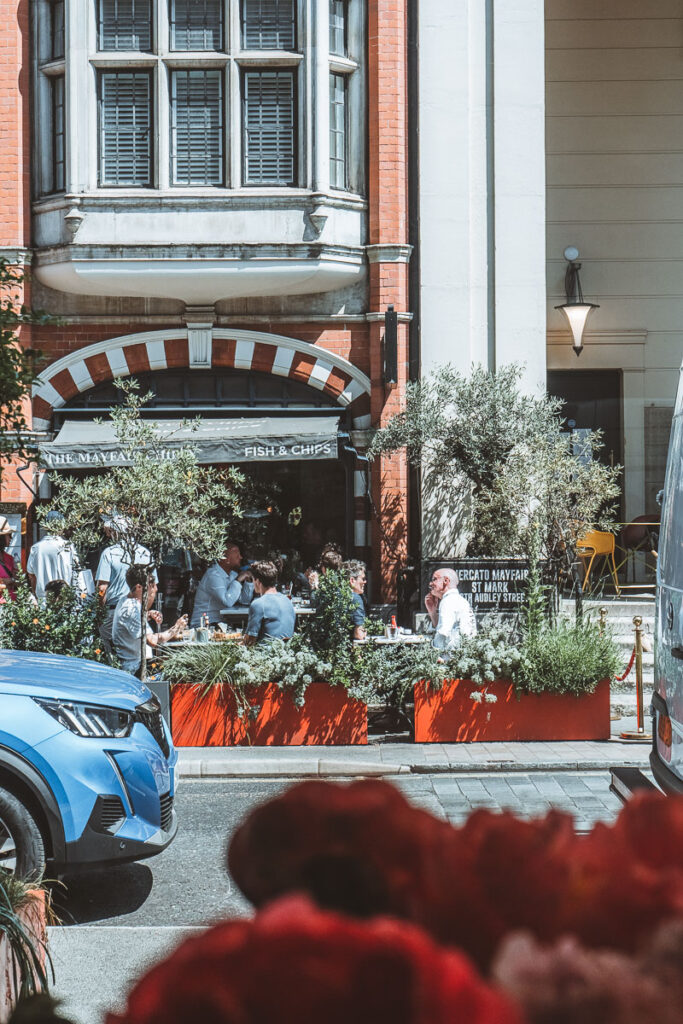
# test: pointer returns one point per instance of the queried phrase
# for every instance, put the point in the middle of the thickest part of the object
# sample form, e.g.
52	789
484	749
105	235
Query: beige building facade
614	148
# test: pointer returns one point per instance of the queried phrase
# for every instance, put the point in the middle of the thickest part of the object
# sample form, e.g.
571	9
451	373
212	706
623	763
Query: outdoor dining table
241	611
402	638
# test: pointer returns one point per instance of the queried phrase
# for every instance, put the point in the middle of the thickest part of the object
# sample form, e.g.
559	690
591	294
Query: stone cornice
389	253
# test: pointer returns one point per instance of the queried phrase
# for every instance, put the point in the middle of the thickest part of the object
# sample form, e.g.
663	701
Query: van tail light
664	733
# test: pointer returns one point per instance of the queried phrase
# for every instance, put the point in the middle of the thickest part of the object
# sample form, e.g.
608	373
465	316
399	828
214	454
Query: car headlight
88	719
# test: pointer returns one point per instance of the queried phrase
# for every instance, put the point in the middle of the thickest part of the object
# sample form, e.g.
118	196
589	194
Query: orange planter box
328	717
451	716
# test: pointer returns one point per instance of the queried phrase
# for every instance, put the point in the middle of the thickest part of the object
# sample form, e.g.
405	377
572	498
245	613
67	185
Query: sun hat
5	526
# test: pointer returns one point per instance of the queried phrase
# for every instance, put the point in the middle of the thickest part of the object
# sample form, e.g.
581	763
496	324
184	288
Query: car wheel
22	851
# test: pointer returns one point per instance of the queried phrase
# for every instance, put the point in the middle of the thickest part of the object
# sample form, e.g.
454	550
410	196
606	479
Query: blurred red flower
364	850
295	964
359	848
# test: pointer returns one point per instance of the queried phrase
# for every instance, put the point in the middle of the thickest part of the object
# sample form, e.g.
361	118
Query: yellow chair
597	544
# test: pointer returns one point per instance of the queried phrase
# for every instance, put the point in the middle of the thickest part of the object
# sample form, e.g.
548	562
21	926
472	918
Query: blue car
86	766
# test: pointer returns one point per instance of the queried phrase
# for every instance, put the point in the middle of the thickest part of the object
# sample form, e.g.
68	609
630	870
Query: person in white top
450	613
52	558
111	572
127	627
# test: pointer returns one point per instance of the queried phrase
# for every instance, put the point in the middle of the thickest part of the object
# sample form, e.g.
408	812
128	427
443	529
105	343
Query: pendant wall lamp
575	308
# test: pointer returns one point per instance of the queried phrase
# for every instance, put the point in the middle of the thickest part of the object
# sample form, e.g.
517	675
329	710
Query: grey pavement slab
95	966
400	758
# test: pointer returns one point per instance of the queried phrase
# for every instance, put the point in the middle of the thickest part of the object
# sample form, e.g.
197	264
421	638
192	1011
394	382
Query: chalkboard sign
489	584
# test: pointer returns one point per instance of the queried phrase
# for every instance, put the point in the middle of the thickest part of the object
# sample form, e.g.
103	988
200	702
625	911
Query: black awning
83	444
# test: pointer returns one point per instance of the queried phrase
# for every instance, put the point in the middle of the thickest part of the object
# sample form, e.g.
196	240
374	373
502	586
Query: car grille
111	812
166	801
153	722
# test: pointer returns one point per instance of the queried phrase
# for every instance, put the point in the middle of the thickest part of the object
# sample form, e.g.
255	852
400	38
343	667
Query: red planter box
451	716
328	717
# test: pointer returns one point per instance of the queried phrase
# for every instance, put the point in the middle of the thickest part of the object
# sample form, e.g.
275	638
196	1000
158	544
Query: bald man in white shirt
450	613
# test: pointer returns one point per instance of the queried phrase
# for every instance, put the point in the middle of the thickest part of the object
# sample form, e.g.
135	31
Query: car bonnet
55	675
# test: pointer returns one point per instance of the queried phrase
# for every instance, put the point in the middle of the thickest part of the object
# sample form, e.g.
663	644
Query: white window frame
311	65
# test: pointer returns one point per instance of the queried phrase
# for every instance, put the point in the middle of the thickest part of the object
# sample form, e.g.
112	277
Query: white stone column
452	201
519	206
482	184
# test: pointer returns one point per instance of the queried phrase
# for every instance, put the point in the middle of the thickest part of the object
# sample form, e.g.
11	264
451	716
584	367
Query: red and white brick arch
202	348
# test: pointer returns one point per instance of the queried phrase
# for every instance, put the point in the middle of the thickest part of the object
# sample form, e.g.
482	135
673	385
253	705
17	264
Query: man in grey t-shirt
271	615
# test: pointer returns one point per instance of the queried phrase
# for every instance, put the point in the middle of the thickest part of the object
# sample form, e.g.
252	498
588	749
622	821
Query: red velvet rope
620	679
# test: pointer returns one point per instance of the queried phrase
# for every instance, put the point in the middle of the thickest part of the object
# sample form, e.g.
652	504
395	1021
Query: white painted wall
614	103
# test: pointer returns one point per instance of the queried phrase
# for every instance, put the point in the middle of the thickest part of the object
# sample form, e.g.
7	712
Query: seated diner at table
127	628
271	615
331	558
223	585
355	572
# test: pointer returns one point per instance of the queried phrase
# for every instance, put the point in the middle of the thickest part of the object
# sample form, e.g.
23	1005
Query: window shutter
58	139
196	128
196	24
125	128
57	26
338	27
338	131
125	24
268	25
269	136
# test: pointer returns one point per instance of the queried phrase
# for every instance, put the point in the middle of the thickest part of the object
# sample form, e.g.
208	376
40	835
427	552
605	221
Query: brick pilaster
388	226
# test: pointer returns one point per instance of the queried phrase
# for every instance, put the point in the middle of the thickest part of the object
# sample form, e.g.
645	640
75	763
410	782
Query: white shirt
52	558
112	569
456	619
219	589
126	633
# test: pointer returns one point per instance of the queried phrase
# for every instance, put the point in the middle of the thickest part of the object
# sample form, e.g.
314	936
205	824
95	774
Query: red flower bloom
295	964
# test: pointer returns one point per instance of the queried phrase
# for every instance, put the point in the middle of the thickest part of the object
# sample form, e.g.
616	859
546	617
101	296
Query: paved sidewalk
405	758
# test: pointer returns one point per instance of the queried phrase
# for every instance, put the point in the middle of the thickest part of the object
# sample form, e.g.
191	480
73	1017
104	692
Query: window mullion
320	100
163	107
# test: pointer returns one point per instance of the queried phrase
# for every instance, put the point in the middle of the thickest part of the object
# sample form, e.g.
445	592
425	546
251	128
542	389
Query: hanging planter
464	712
266	715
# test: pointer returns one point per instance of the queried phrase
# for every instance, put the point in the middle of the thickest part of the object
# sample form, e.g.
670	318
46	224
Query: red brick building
213	196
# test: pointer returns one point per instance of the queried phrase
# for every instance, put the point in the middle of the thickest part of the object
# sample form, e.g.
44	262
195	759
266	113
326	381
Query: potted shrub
553	686
282	694
23	938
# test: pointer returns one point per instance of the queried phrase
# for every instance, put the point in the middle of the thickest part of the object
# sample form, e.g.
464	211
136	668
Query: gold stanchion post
640	733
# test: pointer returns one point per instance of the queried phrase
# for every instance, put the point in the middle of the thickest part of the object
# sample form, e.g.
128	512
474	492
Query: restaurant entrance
281	433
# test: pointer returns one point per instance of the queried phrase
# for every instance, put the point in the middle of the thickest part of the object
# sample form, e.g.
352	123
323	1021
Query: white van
666	758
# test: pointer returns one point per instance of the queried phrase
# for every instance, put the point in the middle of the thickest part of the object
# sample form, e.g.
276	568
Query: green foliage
569	657
293	665
165	497
64	624
491	654
29	973
331	628
512	452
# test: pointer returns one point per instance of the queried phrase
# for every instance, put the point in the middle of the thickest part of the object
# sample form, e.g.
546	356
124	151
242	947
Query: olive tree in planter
525	482
163	496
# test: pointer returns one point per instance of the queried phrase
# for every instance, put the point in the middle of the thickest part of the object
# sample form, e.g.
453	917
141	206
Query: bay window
187	94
